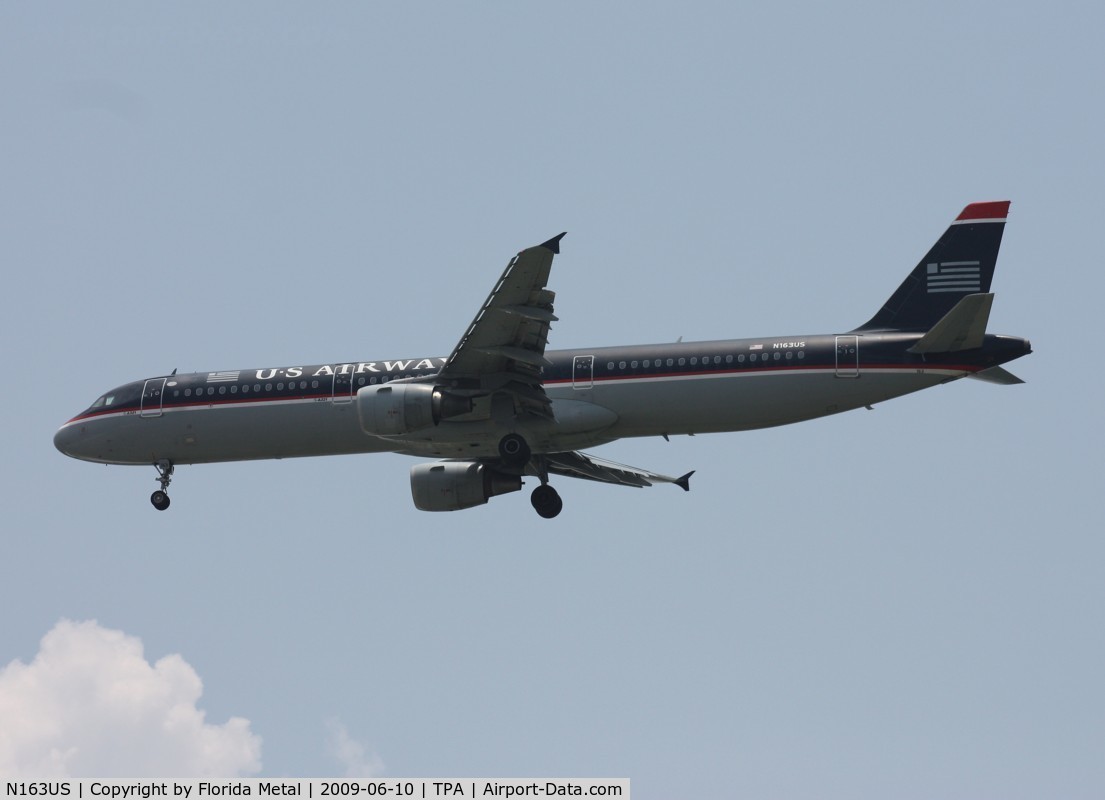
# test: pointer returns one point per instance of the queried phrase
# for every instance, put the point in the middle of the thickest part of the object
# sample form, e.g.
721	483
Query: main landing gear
515	452
160	498
546	501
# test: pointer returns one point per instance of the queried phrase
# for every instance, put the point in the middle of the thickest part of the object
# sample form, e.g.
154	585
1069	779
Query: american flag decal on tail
954	276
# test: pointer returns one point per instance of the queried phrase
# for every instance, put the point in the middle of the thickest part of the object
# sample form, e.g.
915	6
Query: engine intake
395	409
456	485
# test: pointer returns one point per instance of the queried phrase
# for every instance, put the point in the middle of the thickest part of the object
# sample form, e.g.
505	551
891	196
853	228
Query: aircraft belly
747	402
576	424
212	434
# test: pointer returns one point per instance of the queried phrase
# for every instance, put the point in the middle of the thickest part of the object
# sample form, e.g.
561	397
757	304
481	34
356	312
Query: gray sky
905	602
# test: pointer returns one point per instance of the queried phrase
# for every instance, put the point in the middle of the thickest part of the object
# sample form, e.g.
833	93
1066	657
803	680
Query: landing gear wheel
514	450
160	498
546	501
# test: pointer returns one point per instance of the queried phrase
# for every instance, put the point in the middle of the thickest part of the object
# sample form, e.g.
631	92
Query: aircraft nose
66	439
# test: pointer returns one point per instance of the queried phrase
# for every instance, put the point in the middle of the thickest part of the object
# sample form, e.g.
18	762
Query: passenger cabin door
847	356
583	372
152	398
343	387
583	377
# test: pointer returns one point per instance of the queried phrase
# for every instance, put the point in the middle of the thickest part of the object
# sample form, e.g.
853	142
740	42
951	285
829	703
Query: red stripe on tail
998	209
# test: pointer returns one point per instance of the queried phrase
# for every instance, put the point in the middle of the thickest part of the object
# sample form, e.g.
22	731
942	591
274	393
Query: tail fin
960	263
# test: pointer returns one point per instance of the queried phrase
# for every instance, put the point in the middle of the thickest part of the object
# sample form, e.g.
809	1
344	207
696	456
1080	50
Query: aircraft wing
504	347
580	465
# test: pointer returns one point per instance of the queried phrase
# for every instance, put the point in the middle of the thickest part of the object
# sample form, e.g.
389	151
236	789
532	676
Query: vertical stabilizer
961	263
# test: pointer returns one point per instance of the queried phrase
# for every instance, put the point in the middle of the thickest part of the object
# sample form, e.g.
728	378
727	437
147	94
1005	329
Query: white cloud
356	761
90	706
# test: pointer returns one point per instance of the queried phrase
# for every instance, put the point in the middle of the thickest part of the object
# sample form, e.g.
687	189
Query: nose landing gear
160	498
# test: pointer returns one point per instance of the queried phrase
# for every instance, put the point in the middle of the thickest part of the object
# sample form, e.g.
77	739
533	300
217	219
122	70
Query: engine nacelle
393	409
455	485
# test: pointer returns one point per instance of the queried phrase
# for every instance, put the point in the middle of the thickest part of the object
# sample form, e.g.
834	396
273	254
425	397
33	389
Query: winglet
684	483
553	244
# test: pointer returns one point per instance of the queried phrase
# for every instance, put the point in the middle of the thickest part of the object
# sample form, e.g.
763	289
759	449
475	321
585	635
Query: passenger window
610	365
222	390
187	392
257	387
790	355
621	365
801	353
740	358
778	355
268	387
682	361
314	384
671	362
234	389
634	365
729	359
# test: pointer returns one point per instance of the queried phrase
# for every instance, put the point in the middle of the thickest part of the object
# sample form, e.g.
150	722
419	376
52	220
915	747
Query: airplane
500	407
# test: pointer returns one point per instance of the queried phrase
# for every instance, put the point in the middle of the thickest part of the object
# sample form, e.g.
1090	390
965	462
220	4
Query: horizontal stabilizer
998	375
962	328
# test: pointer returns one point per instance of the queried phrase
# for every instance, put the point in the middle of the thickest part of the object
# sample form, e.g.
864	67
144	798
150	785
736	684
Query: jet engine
455	485
397	408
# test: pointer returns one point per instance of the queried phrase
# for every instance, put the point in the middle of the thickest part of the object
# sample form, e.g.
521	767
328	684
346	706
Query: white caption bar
338	788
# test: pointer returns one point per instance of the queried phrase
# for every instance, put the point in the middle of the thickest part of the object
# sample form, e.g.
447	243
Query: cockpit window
106	400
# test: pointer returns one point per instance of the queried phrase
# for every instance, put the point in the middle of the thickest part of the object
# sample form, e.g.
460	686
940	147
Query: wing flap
535	313
519	354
